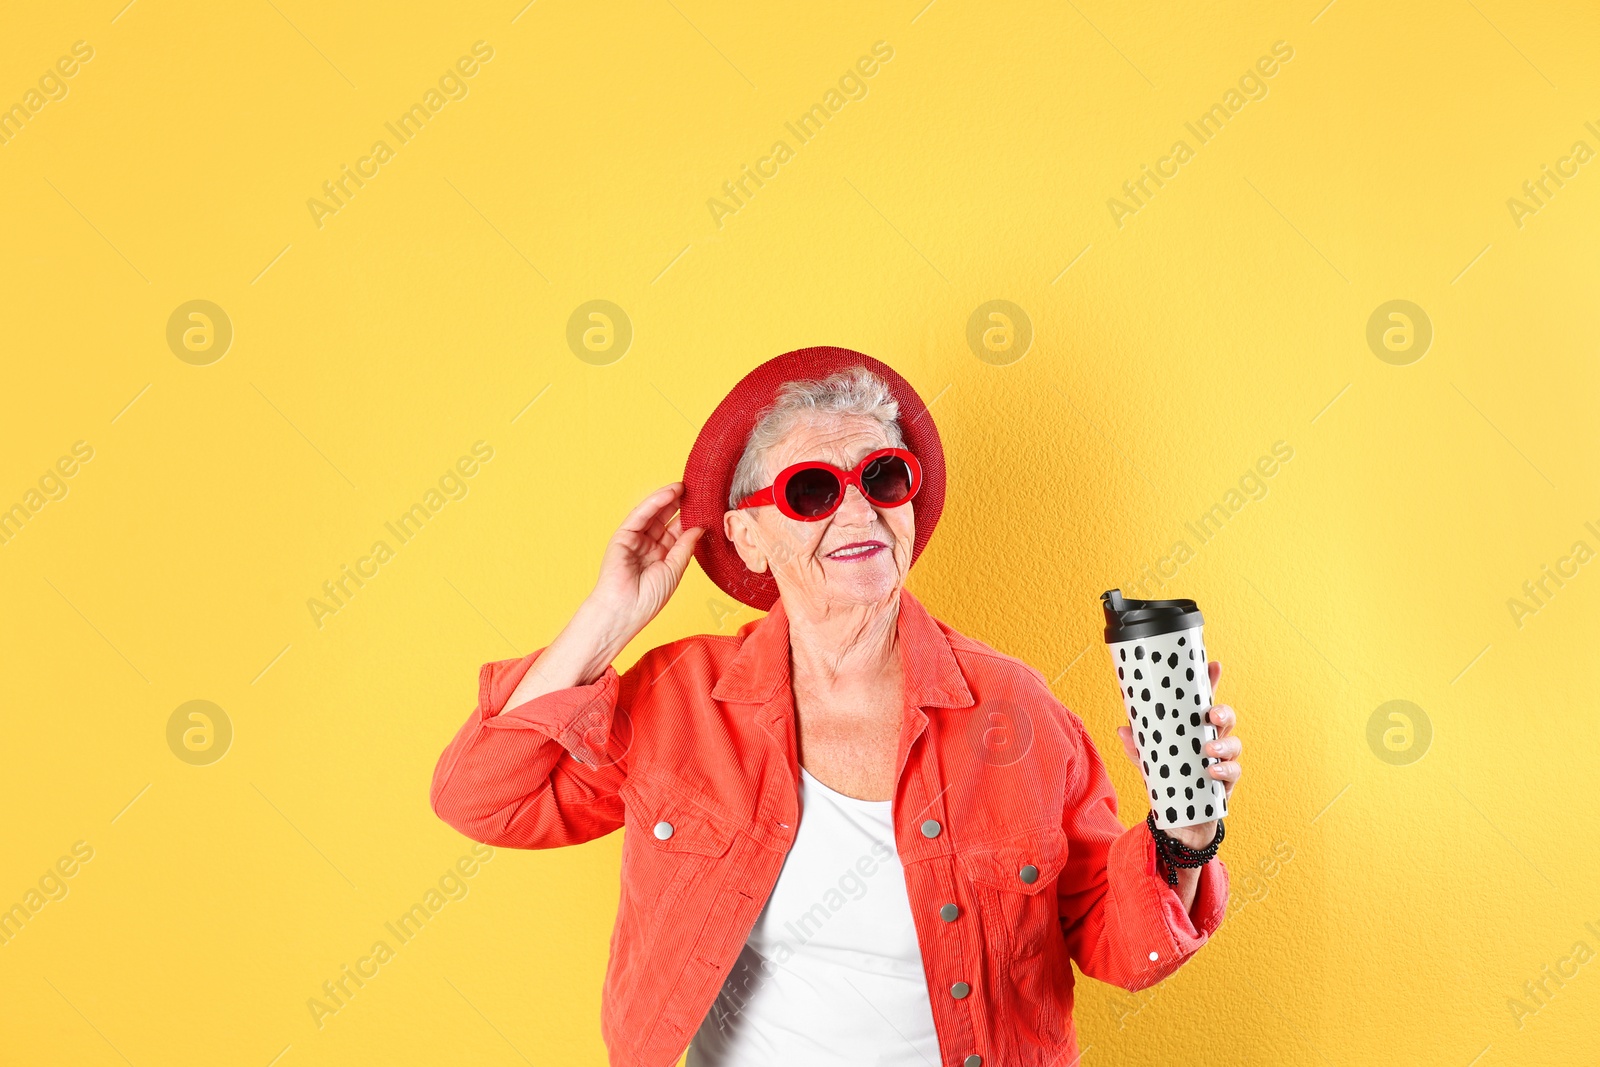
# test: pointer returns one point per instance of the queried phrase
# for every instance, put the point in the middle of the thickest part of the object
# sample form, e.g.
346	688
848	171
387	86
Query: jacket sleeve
1123	924
543	774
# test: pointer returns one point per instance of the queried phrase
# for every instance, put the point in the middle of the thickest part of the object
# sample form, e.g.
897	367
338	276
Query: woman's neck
832	645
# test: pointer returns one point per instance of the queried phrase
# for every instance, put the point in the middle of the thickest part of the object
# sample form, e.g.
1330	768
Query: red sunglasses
814	490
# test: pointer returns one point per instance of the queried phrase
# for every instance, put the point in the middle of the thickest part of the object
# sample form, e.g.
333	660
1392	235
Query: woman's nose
855	507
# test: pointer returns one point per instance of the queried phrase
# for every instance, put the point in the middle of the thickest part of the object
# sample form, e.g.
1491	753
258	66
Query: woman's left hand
1224	753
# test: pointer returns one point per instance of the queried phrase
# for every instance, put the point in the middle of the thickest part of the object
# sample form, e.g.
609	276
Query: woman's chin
866	581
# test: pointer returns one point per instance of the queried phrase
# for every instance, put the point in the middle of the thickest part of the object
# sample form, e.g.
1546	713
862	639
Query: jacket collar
932	677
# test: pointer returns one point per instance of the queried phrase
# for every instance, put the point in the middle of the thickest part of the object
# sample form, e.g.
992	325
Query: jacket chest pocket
1015	881
672	848
669	843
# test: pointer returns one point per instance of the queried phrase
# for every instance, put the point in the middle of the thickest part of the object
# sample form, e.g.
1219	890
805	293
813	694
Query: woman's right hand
643	564
639	572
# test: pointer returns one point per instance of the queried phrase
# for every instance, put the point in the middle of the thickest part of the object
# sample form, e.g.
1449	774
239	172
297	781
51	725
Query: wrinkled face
858	555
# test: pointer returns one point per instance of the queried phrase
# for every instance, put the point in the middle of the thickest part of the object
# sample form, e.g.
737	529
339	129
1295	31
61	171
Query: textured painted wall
1198	220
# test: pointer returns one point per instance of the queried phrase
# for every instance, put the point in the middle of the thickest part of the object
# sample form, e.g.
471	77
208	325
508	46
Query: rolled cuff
578	718
1174	934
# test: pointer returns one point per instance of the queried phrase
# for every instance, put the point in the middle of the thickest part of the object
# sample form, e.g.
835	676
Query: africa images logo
1252	85
452	85
852	85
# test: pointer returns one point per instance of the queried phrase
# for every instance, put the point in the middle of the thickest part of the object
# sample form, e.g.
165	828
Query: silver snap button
973	1060
931	828
663	830
1029	874
960	990
949	913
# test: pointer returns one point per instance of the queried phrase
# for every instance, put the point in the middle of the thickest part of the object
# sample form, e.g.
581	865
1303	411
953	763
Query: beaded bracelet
1177	854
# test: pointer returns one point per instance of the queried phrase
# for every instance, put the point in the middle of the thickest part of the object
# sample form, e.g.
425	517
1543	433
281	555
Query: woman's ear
739	525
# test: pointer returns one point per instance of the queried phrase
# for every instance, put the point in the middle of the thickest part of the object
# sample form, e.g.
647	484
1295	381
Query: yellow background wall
1397	904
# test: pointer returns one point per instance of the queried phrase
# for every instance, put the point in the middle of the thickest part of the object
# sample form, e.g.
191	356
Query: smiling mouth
858	550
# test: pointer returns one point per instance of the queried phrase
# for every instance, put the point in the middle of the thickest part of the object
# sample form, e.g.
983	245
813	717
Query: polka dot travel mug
1160	660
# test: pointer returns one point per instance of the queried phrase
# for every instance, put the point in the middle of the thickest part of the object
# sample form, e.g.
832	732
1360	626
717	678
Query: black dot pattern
1167	666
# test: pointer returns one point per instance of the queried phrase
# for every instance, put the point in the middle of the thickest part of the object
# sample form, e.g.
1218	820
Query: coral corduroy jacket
1002	807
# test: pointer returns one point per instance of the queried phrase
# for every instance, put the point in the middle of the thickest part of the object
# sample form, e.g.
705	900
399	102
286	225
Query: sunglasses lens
812	493
887	480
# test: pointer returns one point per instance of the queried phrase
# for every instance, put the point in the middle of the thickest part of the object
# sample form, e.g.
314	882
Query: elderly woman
854	835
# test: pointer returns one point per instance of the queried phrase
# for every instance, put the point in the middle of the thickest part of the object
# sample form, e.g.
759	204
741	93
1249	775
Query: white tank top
831	975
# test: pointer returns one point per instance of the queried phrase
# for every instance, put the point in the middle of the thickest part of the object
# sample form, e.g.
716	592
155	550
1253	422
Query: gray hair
852	391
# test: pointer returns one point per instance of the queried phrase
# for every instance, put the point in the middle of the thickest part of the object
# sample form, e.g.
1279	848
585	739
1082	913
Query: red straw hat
708	474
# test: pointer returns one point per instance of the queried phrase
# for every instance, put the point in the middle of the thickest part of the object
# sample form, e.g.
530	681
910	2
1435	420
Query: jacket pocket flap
1028	863
670	822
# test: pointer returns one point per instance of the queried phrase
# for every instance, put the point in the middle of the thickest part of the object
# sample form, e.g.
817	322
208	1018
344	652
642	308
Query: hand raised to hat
641	568
1224	753
643	563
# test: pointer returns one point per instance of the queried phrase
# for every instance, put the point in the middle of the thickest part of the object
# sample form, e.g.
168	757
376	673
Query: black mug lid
1129	620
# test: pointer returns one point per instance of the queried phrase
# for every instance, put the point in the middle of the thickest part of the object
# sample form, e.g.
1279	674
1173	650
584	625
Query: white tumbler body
1166	689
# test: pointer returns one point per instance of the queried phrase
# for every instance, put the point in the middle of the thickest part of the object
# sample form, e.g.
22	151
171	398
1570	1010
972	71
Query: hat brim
708	474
